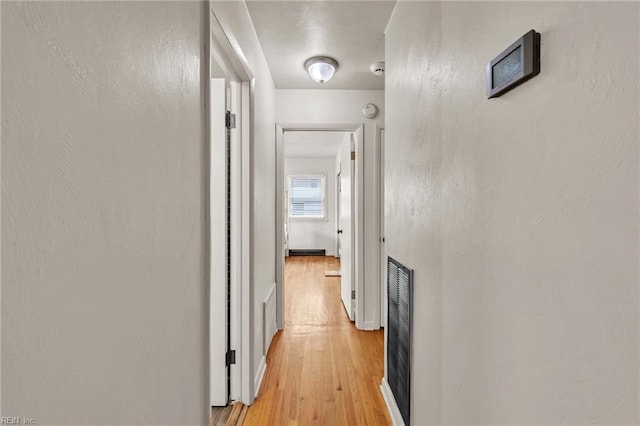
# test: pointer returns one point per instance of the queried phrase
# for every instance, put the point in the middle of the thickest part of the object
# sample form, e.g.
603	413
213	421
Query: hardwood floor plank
234	417
219	415
320	369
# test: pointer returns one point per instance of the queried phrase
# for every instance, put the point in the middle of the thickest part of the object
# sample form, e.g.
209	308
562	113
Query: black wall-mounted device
515	65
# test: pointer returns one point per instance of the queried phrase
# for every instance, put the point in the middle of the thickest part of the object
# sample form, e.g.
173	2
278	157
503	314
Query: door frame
223	48
218	326
358	252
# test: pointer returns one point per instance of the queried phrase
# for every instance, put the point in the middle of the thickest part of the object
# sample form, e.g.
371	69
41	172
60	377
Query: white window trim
323	218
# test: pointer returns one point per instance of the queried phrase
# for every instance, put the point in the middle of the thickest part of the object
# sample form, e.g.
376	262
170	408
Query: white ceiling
312	144
352	32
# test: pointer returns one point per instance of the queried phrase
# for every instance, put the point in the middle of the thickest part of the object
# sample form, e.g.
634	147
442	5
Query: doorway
228	211
318	210
350	296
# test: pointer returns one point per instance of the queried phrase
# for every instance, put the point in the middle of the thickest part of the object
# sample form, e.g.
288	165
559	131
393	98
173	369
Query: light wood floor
231	415
320	369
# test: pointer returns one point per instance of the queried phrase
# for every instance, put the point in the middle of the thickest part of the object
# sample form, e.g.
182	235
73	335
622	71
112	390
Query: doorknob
339	231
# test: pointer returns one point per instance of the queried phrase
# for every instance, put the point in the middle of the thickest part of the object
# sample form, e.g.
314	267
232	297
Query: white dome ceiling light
321	68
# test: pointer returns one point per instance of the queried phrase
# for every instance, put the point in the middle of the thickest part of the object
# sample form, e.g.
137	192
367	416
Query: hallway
320	369
143	164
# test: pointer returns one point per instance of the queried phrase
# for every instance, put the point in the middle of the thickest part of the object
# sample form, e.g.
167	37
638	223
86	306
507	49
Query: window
306	196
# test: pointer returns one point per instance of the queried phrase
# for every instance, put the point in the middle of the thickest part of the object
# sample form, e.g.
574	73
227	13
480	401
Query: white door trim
218	390
224	49
244	320
358	256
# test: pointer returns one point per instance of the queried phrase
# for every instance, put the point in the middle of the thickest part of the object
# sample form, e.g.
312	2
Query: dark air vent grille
400	290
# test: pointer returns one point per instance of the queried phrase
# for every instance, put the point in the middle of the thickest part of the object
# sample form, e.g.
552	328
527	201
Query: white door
218	317
346	223
337	213
383	252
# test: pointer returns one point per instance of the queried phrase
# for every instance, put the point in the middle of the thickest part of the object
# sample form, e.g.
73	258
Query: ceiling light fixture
321	68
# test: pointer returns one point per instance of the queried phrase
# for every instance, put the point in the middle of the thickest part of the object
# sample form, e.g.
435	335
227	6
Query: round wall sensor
370	110
377	68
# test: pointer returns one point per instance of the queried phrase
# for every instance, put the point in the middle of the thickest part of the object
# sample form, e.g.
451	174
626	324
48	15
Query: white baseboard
370	325
262	368
390	401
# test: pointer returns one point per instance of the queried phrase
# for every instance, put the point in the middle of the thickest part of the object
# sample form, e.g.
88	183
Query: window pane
306	196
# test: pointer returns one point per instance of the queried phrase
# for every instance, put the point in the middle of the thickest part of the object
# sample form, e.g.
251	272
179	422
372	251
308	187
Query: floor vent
400	290
307	252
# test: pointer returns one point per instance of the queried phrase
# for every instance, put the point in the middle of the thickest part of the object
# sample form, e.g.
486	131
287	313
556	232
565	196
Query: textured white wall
235	19
345	106
104	298
314	233
519	215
